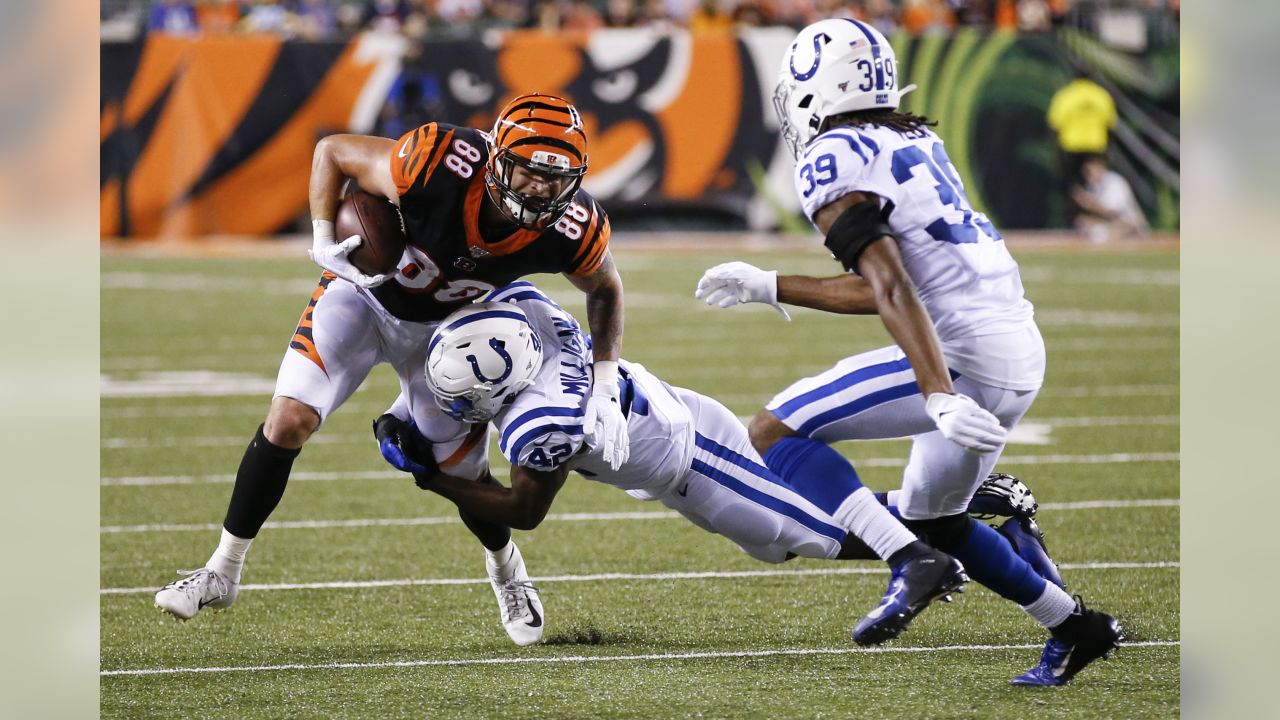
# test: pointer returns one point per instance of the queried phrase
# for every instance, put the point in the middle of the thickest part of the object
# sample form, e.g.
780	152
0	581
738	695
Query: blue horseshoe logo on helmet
500	348
818	40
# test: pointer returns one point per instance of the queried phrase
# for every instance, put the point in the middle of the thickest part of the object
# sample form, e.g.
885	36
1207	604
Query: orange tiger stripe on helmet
534	122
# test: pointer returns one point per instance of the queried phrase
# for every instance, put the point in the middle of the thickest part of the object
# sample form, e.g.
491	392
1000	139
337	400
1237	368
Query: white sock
891	497
1052	607
500	558
228	559
864	516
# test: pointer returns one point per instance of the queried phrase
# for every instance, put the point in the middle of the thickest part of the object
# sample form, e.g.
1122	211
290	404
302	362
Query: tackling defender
480	210
968	359
521	361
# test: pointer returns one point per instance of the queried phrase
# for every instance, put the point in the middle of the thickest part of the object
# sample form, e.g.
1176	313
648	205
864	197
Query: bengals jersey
439	171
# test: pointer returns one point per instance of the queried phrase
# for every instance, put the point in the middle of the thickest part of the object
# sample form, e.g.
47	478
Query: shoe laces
515	594
199	577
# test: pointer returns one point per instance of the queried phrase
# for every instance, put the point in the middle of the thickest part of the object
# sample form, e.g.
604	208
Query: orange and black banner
215	135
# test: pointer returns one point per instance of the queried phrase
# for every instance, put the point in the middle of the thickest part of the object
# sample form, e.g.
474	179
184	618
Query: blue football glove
403	446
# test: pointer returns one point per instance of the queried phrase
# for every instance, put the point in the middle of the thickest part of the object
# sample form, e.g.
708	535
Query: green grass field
364	597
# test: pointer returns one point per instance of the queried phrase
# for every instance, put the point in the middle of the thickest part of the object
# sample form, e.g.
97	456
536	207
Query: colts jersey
439	171
542	429
964	274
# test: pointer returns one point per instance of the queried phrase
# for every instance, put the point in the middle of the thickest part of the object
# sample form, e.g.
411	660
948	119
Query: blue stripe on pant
746	469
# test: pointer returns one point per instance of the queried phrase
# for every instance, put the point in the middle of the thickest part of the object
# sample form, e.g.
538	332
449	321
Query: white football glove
603	418
964	423
332	255
733	283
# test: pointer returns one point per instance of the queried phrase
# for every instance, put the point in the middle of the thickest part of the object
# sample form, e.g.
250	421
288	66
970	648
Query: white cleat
199	589
518	602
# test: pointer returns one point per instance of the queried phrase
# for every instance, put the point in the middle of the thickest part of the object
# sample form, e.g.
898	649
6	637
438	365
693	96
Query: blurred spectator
218	16
269	16
1082	113
926	16
388	15
172	17
414	100
350	16
621	14
316	20
749	13
1034	16
882	15
582	16
709	17
1108	209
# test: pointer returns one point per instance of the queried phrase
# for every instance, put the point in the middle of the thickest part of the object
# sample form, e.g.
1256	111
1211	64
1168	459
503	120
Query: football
380	226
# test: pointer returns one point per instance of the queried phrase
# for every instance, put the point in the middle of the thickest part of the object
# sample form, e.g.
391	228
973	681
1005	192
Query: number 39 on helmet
832	67
480	358
543	135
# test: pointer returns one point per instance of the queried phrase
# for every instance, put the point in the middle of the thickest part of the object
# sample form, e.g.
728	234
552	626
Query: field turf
364	596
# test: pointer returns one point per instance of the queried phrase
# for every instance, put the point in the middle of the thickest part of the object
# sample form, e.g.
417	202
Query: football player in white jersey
522	362
968	359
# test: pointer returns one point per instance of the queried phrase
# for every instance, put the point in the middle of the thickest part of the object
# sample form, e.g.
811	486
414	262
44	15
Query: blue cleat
1086	636
1028	541
912	586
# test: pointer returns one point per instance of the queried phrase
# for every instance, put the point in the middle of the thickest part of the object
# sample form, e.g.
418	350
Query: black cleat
1085	636
912	586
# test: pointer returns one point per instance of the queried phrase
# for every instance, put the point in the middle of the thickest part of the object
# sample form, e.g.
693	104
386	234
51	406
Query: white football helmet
480	358
832	67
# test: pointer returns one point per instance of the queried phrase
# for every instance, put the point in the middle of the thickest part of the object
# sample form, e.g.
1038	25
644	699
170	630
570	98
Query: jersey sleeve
417	154
836	164
542	437
594	240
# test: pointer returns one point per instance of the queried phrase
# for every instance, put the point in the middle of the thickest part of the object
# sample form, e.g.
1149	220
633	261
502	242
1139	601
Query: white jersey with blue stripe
542	429
958	261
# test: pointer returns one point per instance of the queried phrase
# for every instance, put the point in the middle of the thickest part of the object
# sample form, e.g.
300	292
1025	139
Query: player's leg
331	352
723	454
870	390
938	484
462	450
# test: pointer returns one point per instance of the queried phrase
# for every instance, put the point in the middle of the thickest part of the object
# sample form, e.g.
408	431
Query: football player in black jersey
480	210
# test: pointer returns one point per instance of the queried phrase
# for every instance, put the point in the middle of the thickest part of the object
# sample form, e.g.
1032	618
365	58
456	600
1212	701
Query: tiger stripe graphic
416	154
302	340
595	243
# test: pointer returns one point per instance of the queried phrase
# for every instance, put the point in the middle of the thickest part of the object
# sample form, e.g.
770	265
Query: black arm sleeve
854	230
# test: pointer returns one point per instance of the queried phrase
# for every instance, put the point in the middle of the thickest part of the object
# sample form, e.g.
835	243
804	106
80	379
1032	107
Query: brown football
380	227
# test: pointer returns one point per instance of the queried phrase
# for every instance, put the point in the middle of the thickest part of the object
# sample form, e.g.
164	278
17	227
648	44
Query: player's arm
845	294
603	288
865	245
365	159
521	506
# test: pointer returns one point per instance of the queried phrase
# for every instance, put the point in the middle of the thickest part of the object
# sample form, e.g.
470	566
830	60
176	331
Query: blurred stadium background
209	112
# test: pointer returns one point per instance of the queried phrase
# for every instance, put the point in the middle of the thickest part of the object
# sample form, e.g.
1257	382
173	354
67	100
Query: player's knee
944	532
765	430
290	423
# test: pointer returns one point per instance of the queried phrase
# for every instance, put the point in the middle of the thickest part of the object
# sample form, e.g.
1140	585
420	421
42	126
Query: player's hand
736	282
966	424
603	420
332	255
403	446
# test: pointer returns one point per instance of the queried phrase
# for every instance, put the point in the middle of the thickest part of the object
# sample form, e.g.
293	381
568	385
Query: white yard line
364	438
604	577
553	517
572	659
197	408
143	480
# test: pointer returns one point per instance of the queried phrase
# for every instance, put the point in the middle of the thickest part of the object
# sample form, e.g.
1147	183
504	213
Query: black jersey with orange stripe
439	173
